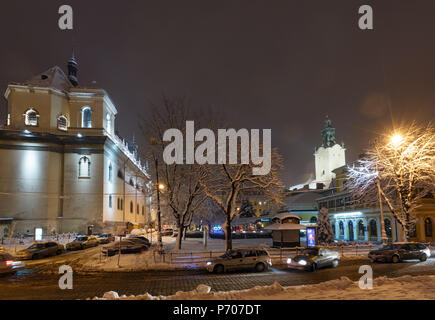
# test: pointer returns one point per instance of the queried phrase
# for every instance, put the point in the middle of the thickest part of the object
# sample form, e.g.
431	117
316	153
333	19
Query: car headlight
289	260
302	262
208	263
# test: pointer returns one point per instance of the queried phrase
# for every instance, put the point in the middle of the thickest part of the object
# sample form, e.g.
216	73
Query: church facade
62	167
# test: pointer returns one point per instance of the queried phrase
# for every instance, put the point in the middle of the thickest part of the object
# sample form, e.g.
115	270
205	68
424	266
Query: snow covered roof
285	226
285	215
52	78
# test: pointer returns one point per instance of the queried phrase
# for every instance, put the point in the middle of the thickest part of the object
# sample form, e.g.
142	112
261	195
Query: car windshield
310	252
389	247
81	238
36	246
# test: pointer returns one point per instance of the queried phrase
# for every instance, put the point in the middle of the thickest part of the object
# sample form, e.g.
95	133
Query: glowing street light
161	186
396	139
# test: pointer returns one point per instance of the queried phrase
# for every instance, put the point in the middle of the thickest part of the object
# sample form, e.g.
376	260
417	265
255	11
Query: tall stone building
62	167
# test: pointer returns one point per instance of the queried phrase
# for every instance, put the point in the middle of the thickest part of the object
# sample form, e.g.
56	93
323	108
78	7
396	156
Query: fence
278	256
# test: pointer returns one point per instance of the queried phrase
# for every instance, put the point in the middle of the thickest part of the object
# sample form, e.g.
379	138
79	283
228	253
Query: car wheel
395	259
260	267
314	267
218	269
423	257
334	263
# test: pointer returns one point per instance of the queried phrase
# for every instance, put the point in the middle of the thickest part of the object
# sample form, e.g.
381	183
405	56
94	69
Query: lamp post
384	237
159	215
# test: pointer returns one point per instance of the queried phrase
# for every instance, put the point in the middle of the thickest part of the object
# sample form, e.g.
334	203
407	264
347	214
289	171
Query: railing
278	256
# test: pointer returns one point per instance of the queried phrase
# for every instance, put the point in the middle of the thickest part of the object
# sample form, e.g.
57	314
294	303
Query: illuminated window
86	117
110	171
62	123
108	123
9	119
84	167
31	117
428	227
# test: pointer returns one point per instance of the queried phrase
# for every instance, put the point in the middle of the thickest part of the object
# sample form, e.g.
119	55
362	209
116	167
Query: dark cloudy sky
283	65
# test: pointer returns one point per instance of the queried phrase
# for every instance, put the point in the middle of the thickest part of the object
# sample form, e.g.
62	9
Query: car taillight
9	263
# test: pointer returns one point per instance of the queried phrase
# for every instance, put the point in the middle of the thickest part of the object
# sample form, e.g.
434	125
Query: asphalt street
33	283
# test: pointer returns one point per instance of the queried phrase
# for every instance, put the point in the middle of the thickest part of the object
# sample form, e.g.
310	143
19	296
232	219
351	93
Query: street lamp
396	139
159	187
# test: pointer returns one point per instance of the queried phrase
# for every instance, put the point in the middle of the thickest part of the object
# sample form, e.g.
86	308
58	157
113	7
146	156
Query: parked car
8	264
168	232
140	240
105	238
39	250
311	259
83	242
399	251
237	259
127	246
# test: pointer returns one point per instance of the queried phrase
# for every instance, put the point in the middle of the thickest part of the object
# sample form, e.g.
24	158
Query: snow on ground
402	288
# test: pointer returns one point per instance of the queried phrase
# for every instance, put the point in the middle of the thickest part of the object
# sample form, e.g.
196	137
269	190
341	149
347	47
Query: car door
405	252
414	252
236	260
249	259
321	259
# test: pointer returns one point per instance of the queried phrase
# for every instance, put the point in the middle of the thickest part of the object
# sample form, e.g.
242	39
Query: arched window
350	229
131	206
361	230
31	117
110	201
87	117
62	123
373	231
428	227
388	229
313	220
84	167
333	229
341	227
108	123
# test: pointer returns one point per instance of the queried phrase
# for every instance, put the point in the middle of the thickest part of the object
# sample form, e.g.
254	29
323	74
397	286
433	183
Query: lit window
84	167
62	123
110	172
108	123
31	117
86	117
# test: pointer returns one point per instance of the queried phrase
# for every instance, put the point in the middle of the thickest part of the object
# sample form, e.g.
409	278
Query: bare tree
227	185
401	169
181	190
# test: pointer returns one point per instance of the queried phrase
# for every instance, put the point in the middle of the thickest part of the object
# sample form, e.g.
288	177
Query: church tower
72	70
329	156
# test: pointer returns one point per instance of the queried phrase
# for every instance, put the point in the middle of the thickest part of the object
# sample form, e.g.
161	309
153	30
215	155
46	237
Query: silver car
39	250
311	259
246	258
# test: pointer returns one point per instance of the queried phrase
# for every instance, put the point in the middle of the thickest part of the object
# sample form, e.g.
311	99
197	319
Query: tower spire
72	70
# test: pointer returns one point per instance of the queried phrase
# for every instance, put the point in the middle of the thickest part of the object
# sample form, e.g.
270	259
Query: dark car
105	238
399	251
140	240
167	232
8	264
126	246
39	250
83	242
311	259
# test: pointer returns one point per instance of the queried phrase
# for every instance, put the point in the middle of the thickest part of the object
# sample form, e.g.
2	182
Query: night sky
283	65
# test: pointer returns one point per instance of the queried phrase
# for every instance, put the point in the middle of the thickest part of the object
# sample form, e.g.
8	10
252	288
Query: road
32	283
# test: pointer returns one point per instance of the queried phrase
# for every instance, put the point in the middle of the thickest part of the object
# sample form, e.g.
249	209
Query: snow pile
406	287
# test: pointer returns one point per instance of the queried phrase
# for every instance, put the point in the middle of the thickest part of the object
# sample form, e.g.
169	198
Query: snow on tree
401	168
182	192
246	209
227	185
325	235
